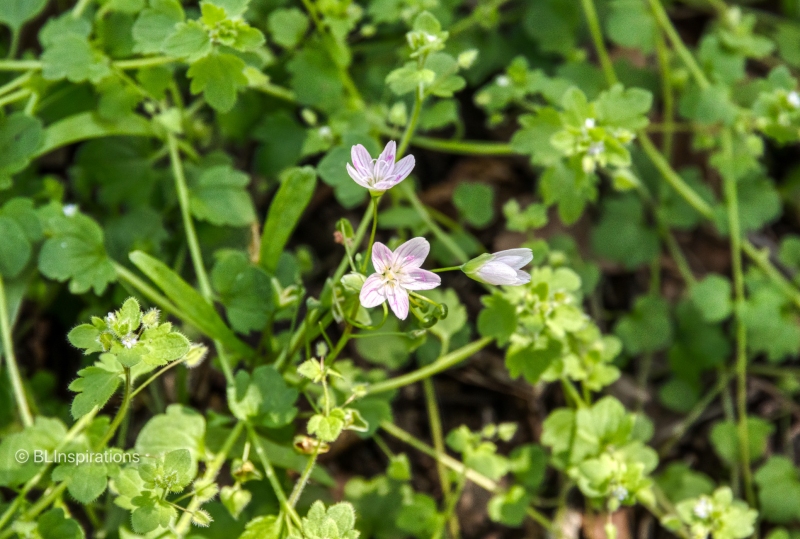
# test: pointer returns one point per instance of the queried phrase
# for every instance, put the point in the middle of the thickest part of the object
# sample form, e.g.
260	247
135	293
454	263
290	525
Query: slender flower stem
20	65
463	147
590	12
270	472
156	375
16	83
449	511
443	363
11	359
188	225
138	63
668	96
303	481
79	8
442	270
212	470
276	91
123	410
680	47
19	95
729	179
412	124
365	263
440	234
457	466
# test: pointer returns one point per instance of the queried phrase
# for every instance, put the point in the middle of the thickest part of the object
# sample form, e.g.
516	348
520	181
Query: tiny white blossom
703	508
111	318
620	493
70	210
589	123
129	341
794	99
325	131
503	81
596	149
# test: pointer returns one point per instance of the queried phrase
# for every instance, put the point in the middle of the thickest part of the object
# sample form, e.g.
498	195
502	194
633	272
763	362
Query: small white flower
596	149
111	318
794	99
396	273
431	38
325	131
703	508
129	341
503	81
620	493
501	268
70	210
382	173
589	123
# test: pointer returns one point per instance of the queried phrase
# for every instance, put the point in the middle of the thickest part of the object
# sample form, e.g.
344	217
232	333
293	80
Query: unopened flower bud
196	355
501	268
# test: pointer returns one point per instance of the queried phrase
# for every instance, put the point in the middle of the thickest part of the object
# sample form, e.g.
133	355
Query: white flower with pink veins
396	273
379	174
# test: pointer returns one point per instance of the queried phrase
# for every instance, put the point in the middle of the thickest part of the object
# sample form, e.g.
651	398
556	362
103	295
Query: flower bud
501	268
352	282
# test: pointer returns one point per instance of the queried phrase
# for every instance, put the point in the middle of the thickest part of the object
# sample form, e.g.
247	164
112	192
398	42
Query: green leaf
624	108
327	428
219	76
263	397
712	297
419	516
220	197
75	252
94	386
20	138
533	360
87	481
332	170
708	106
315	78
72	57
150	513
15	13
179	428
15	249
475	203
498	320
294	194
771	327
268	527
44	435
197	310
778	490
287	26
679	482
528	463
647	328
623	235
630	23
53	524
509	508
190	40
155	24
163	345
725	439
88	125
244	289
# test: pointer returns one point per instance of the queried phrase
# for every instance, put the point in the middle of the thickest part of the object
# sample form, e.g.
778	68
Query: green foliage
335	522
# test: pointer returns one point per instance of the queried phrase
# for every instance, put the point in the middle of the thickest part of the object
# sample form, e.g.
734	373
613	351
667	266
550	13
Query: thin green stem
155	376
449	515
441	235
303	481
677	43
668	96
11	360
412	124
442	270
13	48
731	195
139	63
188	224
79	8
590	12
365	264
457	466
276	91
210	474
443	363
16	83
123	409
20	65
463	147
271	476
19	95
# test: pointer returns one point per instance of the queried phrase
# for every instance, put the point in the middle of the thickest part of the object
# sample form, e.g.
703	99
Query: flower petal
358	177
372	293
388	153
381	257
412	253
398	301
420	279
523	277
362	160
494	272
516	258
404	167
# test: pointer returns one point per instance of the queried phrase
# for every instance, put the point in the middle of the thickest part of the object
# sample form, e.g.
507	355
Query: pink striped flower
382	173
396	273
